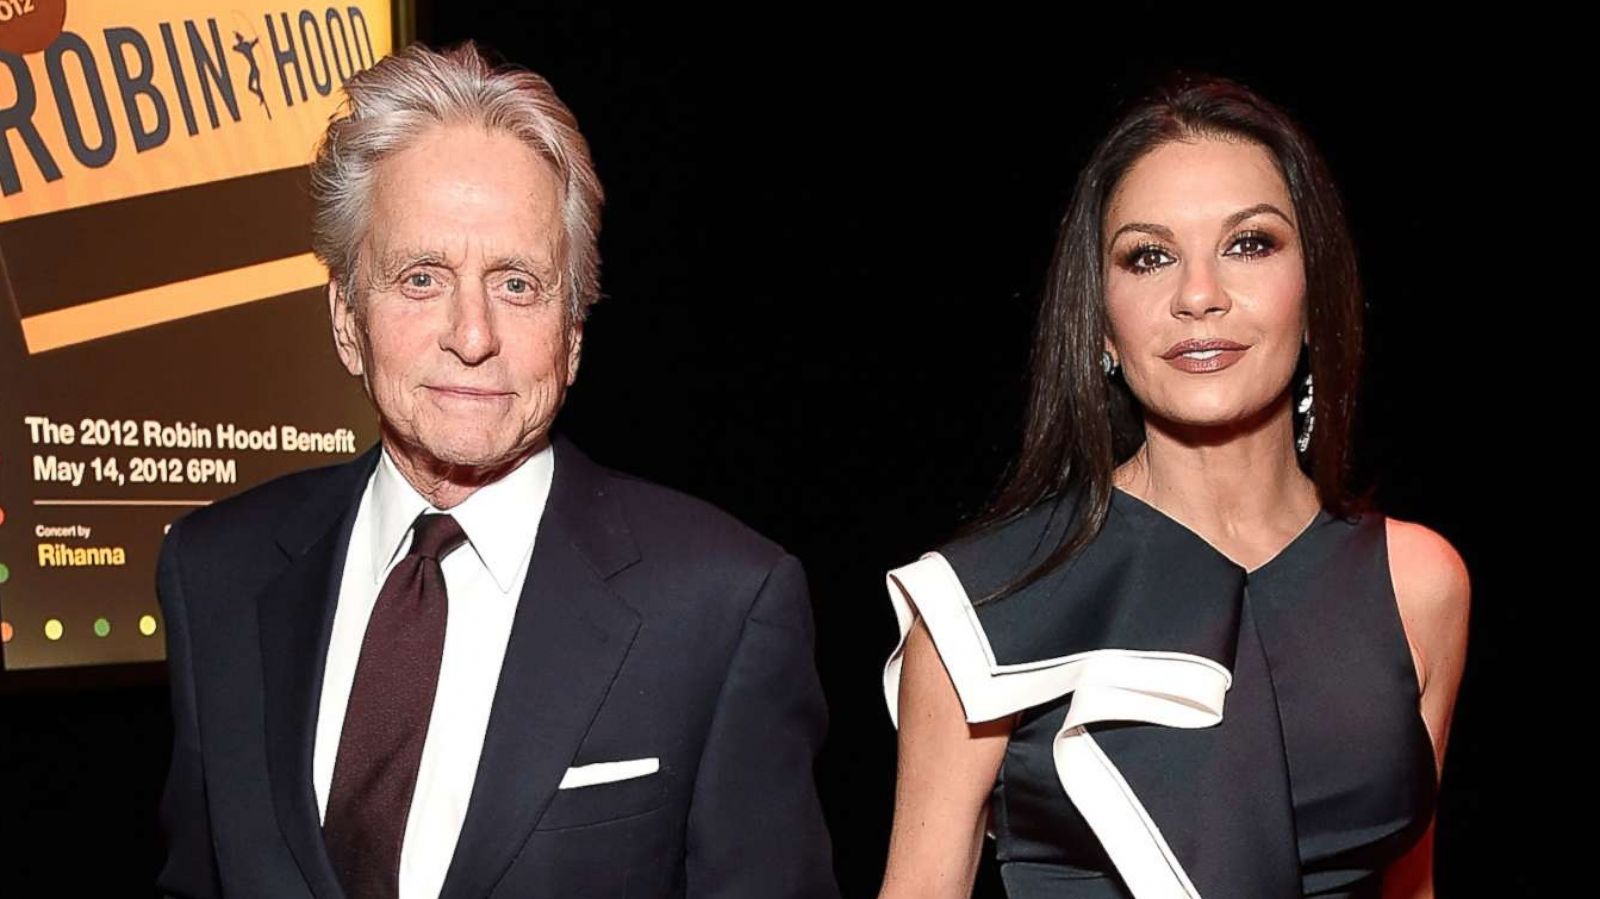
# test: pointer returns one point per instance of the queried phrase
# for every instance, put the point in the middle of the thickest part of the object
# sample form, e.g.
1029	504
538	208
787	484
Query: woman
1175	658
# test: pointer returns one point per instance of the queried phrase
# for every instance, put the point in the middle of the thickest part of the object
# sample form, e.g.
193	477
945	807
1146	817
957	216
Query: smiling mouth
1202	348
1204	361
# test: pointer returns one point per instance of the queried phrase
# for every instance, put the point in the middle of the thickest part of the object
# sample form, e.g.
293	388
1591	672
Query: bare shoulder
1433	590
1430	577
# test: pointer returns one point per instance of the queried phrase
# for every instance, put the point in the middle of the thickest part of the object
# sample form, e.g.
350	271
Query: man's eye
522	288
419	280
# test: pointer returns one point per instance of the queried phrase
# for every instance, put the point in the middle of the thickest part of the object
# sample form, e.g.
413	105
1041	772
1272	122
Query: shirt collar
501	518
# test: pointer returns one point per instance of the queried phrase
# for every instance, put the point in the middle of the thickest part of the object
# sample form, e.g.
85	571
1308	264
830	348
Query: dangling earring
1304	440
1107	364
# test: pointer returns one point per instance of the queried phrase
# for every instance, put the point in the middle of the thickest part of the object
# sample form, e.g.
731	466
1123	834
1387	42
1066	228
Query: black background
822	248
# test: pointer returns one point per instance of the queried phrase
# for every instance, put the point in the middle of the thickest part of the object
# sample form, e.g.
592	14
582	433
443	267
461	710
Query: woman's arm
946	770
1433	591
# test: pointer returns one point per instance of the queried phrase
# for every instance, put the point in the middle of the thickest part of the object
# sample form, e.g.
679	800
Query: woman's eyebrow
1162	231
1257	209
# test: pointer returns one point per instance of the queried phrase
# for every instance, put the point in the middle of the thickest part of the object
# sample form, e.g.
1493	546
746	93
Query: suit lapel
568	639
296	617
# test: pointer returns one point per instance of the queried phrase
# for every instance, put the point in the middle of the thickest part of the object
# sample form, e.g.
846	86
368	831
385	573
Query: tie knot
436	535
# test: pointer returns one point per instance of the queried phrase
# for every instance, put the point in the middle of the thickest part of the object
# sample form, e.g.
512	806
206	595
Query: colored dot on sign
147	625
53	629
5	632
5	573
101	627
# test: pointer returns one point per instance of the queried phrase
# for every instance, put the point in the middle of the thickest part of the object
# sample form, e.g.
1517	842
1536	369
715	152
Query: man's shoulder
666	520
697	563
268	505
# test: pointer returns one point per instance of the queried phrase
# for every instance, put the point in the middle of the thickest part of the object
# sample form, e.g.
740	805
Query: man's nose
470	333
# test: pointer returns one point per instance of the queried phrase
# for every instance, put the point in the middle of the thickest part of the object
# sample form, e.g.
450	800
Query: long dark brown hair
1081	424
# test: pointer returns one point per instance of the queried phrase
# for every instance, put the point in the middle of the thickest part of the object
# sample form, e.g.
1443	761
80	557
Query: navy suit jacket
650	624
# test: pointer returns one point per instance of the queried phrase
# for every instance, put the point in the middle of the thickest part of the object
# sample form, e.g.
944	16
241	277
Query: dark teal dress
1187	728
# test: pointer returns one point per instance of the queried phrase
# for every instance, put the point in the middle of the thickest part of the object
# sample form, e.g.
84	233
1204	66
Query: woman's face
1202	244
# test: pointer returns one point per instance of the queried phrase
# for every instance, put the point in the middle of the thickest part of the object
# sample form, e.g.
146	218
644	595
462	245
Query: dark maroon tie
386	721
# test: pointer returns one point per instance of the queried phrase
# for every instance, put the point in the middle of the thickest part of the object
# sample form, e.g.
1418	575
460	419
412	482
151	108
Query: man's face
461	332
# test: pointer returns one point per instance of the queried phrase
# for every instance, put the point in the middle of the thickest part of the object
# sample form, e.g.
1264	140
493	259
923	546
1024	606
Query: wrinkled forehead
461	195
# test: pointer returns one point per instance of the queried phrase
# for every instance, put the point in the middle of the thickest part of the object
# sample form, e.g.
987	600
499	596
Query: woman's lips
1198	355
1201	361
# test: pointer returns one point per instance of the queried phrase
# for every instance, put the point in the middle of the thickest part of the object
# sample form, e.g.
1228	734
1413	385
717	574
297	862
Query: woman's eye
1252	245
1146	258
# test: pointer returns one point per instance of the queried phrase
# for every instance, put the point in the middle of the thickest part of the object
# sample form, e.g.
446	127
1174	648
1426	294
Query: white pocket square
606	772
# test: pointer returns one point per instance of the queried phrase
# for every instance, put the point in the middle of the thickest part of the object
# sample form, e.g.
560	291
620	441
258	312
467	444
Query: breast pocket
606	790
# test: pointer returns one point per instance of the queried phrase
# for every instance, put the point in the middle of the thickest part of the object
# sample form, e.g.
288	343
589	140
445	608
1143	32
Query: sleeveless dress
1188	728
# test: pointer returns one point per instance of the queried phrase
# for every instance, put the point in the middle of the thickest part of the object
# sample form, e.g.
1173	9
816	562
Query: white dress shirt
483	578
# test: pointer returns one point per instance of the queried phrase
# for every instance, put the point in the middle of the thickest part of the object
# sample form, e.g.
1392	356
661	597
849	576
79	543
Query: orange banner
135	98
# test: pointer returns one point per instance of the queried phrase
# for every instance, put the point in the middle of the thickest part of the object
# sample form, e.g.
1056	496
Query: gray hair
391	104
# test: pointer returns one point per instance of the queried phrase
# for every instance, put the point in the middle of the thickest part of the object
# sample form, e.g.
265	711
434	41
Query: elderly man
472	662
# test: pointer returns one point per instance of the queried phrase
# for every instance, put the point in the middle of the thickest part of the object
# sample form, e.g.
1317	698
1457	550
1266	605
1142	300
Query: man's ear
346	337
574	350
